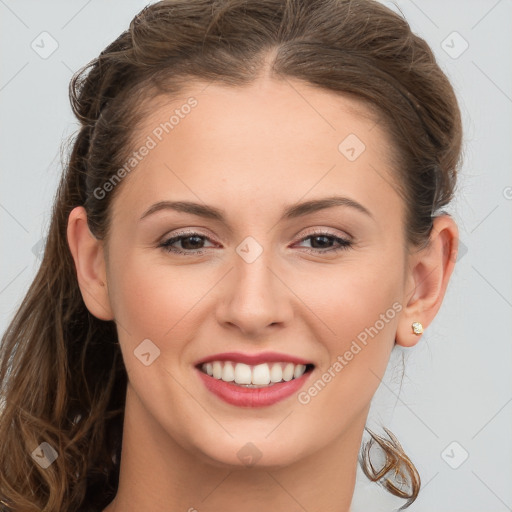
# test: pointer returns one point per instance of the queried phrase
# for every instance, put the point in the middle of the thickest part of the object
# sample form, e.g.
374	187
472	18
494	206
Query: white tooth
261	374
243	373
209	369
217	369
299	370
288	372
228	373
276	373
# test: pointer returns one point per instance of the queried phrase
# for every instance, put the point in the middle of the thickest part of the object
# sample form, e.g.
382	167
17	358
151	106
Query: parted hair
62	377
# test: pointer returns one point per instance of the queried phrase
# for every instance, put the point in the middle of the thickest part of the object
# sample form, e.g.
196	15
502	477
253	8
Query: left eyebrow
290	212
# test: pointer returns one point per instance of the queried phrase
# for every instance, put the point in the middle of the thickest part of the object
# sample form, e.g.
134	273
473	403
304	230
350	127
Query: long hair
62	377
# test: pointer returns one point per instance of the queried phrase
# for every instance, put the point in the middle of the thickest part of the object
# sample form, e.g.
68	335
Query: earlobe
87	252
429	274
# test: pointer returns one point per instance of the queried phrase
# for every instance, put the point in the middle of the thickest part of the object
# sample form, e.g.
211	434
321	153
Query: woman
250	219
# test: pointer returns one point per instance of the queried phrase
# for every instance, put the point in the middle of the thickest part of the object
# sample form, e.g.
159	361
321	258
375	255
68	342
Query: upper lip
253	359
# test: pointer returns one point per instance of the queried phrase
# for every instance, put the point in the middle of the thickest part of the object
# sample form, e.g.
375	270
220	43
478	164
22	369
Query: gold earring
417	328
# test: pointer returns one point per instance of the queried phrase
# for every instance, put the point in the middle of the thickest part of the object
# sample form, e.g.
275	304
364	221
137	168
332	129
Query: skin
252	151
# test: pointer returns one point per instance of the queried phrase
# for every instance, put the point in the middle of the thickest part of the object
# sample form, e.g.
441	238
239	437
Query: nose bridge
256	296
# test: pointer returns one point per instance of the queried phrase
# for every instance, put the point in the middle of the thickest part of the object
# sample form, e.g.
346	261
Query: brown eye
322	242
191	243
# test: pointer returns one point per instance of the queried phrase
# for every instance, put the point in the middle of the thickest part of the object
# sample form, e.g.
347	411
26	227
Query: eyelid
188	232
343	242
316	230
330	231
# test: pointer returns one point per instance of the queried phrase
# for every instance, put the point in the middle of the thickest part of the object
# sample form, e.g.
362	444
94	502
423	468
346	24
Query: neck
159	474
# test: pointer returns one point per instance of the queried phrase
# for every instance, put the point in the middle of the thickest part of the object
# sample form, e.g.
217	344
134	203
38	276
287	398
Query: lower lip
252	397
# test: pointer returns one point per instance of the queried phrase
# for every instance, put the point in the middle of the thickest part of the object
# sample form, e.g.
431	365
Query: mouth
262	375
260	380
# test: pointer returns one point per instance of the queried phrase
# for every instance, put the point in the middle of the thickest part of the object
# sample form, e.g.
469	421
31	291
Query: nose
254	298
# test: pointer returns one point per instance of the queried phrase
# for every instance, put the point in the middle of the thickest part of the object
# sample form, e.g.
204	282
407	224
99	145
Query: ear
87	252
430	269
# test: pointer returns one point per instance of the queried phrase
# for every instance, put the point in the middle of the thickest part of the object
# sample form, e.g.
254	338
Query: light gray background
457	382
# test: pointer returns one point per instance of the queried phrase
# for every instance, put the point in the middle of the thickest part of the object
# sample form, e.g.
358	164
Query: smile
254	376
253	380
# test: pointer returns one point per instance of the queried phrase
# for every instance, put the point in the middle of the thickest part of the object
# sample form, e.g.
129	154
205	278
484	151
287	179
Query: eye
192	243
323	242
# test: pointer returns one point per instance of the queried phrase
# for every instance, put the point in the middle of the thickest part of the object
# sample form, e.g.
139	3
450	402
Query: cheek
158	302
357	307
154	298
354	296
369	306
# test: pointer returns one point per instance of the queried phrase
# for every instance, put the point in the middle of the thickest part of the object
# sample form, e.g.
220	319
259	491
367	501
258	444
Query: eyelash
167	244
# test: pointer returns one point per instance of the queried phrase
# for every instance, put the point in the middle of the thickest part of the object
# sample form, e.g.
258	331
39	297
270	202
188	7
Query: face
317	286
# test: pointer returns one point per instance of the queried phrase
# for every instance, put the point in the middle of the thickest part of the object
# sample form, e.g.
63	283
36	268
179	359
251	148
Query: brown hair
62	378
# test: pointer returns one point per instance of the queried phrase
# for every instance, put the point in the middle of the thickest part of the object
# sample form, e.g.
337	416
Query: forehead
271	142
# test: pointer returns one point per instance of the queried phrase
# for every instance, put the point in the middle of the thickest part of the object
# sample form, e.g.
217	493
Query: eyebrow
290	212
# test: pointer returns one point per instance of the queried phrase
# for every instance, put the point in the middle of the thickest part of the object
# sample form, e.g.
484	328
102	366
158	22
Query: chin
240	452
